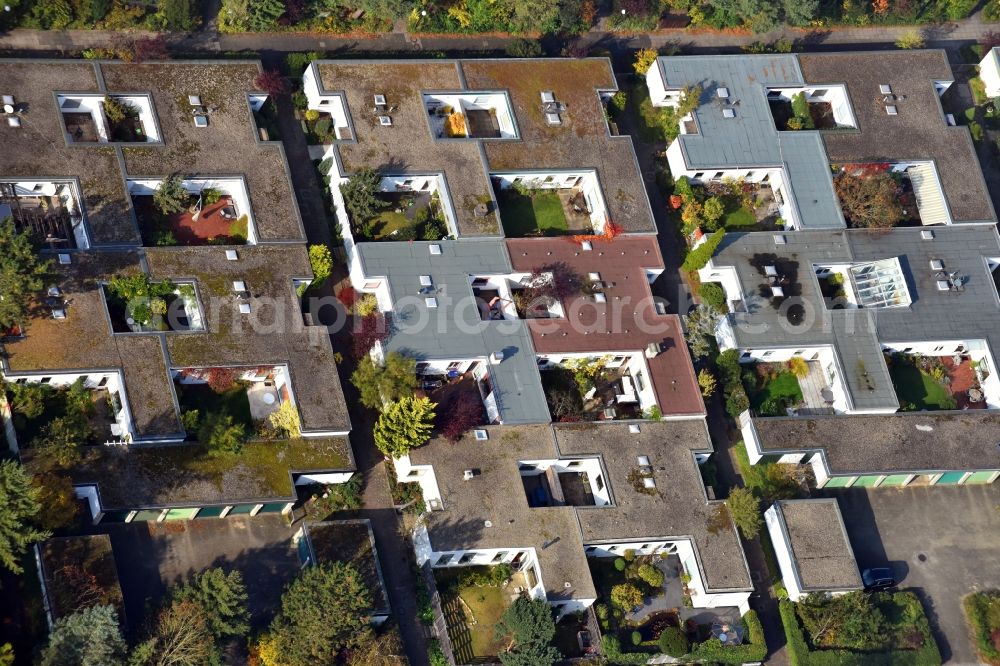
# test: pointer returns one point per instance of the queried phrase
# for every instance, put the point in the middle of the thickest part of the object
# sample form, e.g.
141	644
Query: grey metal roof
453	329
856	335
750	139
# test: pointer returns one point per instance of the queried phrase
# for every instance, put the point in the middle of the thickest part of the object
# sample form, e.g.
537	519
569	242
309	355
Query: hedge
699	256
799	653
711	651
977	613
713	295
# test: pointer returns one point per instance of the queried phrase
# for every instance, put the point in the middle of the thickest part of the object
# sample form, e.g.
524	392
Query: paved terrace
628	321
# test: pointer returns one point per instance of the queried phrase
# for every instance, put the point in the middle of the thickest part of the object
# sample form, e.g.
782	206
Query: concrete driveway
944	542
151	557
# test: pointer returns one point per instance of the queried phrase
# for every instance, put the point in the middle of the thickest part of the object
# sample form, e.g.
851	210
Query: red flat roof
628	321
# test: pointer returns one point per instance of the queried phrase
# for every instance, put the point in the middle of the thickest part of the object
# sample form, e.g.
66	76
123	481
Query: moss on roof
186	474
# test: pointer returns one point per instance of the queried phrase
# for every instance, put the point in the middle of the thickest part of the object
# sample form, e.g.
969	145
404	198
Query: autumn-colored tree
880	7
869	200
272	82
459	415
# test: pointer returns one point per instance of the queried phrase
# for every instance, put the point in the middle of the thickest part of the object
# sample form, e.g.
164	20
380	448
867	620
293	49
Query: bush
976	130
626	596
651	575
644	59
982	612
321	262
754	649
698	257
728	363
712	294
911	39
620	564
524	48
737	402
673	642
636	638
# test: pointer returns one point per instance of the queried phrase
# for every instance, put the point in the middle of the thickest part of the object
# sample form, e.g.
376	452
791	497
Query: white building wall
989	72
332	104
654	82
325	479
783	553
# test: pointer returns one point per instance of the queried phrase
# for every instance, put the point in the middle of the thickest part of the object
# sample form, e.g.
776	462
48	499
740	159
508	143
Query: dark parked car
878	578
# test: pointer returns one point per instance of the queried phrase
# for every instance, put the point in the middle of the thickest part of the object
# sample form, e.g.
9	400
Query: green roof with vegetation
186	474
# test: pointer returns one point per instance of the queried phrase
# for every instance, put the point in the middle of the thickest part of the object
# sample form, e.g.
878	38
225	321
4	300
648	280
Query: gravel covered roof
821	552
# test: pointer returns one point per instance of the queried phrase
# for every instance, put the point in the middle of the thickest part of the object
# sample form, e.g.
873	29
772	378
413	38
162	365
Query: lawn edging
799	653
977	616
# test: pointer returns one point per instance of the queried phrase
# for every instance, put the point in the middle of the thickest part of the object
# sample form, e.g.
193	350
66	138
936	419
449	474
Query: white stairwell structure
927	190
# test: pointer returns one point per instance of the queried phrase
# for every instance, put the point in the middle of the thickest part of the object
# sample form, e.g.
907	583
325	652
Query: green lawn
472	613
389	221
527	216
737	215
783	388
233	402
916	387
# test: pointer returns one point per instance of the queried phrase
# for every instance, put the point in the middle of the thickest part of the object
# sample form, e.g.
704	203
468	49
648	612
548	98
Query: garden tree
712	211
712	294
181	637
21	274
691	215
28	399
325	609
644	59
404	425
176	15
911	39
6	654
744	507
368	330
359	192
847	620
799	12
378	384
321	262
674	642
90	637
223	598
272	82
758	15
699	330
529	620
171	197
59	444
79	399
76	589
116	110
531	623
626	596
798	366
460	414
19	508
869	199
650	575
220	434
556	280
57	499
690	98
285	420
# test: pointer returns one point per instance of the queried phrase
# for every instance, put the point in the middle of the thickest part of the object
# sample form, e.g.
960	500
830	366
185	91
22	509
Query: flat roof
453	328
628	321
228	146
890	443
857	334
917	133
750	139
582	141
184	475
94	556
678	510
821	552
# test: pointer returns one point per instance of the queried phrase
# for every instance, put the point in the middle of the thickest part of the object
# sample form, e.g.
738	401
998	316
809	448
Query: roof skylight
880	284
